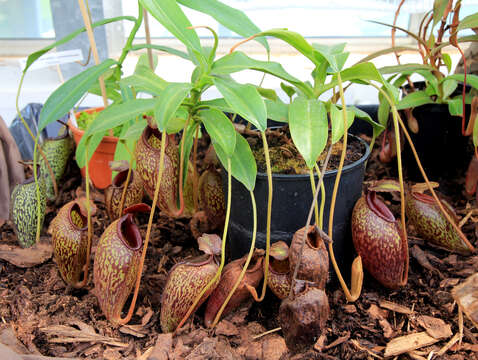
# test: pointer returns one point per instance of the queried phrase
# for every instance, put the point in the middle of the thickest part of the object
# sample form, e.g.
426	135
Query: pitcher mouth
147	133
378	207
120	179
60	137
32	178
129	233
75	207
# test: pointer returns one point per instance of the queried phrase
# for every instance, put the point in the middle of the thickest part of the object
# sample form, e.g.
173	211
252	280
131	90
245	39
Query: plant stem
322	198
128	177
148	231
246	264
195	172
216	277
89	224
350	297
37	187
132	34
309	218
312	185
25	124
269	214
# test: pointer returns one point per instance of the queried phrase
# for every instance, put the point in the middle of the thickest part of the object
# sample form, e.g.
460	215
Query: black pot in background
441	147
361	127
292	198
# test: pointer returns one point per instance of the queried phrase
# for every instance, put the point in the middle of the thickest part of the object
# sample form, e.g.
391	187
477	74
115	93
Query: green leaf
145	80
471	79
308	127
220	129
170	15
126	92
360	114
439	7
277	110
34	56
449	86
134	131
111	93
430	79
337	120
176	123
295	40
243	164
333	54
409	68
188	138
161	48
447	60
92	142
169	101
289	90
238	61
267	93
67	95
414	99
383	112
143	60
227	16
245	100
119	114
455	107
468	22
218	103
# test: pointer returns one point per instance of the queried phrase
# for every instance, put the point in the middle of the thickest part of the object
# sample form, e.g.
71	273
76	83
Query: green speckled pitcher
57	151
23	209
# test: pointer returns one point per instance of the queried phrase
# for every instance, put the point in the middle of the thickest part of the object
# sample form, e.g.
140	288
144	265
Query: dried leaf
210	244
279	250
435	327
68	334
26	257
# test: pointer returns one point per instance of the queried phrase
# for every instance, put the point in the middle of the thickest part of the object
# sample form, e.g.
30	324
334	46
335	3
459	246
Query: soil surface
286	159
41	315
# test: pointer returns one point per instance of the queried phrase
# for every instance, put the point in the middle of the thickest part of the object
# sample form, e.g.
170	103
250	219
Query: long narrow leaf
67	95
308	128
414	99
337	122
220	129
145	80
34	56
118	114
162	48
227	16
170	15
243	164
168	103
245	100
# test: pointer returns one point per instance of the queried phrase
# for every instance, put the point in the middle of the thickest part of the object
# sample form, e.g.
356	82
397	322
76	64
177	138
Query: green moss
85	119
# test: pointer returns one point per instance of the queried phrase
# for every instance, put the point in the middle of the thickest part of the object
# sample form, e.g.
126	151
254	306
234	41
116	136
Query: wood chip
359	347
350	309
134	330
68	334
466	295
395	307
435	327
408	343
338	341
449	344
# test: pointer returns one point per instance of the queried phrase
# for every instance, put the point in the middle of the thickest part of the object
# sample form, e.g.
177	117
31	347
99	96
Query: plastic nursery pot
291	202
439	143
99	170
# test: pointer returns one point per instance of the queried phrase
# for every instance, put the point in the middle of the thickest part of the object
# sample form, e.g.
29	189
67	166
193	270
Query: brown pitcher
303	316
186	281
69	234
147	166
380	241
229	276
116	262
314	265
113	193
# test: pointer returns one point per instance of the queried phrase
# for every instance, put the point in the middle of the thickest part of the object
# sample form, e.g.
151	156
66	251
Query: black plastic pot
441	147
292	198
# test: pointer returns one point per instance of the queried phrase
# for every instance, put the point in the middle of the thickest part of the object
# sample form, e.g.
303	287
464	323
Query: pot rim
75	129
328	173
